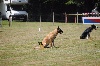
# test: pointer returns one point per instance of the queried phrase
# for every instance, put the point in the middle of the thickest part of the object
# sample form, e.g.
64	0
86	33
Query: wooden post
65	17
40	18
0	20
53	18
10	20
77	17
10	17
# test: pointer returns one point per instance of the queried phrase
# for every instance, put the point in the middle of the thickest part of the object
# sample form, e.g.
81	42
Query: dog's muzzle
96	27
61	32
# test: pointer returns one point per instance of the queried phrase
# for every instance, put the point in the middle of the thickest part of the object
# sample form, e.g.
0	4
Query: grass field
18	41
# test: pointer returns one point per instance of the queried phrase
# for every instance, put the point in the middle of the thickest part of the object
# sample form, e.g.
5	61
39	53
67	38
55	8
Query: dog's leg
87	37
46	46
90	37
53	43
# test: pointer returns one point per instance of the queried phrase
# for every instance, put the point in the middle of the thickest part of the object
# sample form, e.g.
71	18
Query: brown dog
49	39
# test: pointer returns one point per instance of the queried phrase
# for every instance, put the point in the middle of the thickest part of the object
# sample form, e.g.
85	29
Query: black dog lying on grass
86	33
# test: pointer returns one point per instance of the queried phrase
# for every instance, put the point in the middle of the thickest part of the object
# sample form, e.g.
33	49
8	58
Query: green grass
18	41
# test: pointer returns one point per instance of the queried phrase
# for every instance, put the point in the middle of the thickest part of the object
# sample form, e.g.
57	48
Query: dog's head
59	30
94	27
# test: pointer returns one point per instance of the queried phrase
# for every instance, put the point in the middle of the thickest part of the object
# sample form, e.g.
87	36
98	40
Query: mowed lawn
18	41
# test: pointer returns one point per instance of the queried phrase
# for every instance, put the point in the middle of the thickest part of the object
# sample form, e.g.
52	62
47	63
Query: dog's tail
40	43
40	46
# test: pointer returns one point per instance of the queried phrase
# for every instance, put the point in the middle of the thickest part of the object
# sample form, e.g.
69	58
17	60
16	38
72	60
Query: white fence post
40	24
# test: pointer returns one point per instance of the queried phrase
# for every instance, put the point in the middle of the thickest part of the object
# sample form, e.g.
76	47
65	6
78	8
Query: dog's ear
93	25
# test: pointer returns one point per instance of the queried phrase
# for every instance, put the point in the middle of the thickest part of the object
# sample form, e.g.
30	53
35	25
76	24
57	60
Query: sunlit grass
18	41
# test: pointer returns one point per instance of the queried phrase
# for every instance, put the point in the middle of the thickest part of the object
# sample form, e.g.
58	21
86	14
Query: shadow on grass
1	31
53	47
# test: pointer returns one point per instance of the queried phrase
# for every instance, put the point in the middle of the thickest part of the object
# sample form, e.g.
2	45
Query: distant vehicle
14	8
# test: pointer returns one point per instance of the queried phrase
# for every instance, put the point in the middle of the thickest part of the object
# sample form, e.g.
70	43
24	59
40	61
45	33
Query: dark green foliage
45	8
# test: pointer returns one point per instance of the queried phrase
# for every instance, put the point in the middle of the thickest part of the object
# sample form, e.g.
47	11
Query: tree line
38	7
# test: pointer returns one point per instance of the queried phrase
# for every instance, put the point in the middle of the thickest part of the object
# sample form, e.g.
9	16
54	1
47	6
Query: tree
86	4
37	7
